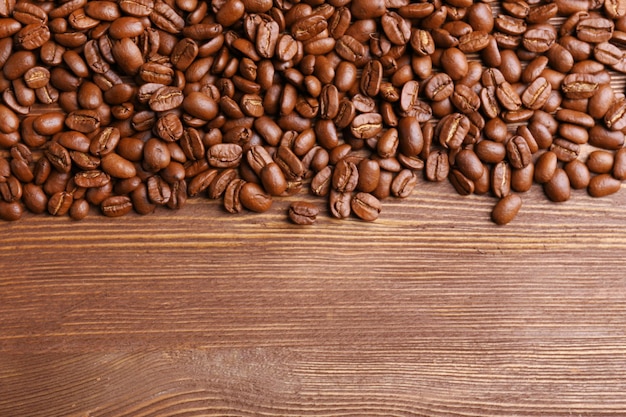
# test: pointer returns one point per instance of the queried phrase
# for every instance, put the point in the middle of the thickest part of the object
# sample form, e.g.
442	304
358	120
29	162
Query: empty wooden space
430	311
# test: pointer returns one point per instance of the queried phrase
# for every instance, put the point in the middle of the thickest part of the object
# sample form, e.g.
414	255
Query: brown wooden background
432	310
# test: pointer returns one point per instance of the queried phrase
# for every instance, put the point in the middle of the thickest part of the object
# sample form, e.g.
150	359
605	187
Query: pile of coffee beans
131	105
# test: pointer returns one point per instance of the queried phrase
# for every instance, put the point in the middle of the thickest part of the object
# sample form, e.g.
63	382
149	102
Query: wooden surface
432	310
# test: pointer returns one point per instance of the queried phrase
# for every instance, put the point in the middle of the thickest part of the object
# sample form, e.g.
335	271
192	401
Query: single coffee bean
91	179
602	185
224	155
366	206
254	198
273	179
615	117
117	166
501	179
506	209
558	188
116	206
34	198
565	150
403	184
489	151
522	179
10	211
518	152
462	184
366	125
578	174
545	167
600	161
469	164
302	212
59	203
345	176
452	130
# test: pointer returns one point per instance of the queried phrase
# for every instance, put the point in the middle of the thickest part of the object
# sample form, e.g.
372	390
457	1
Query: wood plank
431	310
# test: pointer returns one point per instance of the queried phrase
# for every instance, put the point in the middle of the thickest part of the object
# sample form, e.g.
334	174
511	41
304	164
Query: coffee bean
506	209
557	189
603	185
302	212
365	206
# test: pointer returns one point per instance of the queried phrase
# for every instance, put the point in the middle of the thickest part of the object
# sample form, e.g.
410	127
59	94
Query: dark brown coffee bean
34	198
462	184
474	41
615	117
537	93
232	196
117	166
522	179
224	155
508	97
452	130
10	211
545	167
518	152
59	157
11	190
465	99
506	209
439	87
403	184
366	206
501	179
422	42
578	174
539	38
594	29
273	179
366	125
254	198
345	176
565	150
558	188
600	161
59	203
469	164
89	179
603	185
619	166
302	212
489	151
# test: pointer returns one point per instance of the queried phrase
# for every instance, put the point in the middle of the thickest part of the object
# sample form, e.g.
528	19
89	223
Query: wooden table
432	310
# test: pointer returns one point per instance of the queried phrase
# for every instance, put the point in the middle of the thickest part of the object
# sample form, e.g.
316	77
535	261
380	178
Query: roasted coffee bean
302	212
366	125
603	185
558	188
59	203
10	211
600	161
254	198
365	206
518	152
506	209
452	130
545	167
469	164
117	166
345	176
462	184
501	179
403	184
565	150
522	179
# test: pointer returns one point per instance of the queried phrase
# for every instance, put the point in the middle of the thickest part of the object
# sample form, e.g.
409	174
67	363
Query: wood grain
430	311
